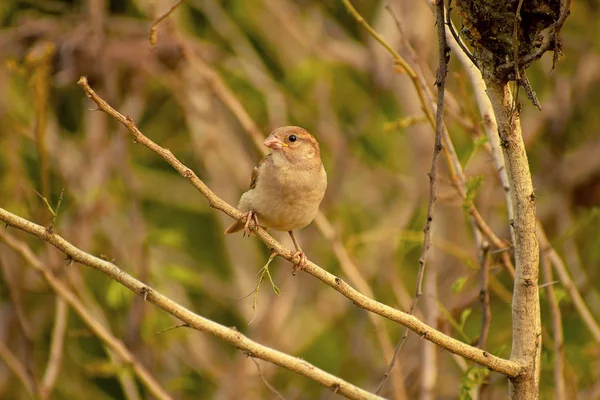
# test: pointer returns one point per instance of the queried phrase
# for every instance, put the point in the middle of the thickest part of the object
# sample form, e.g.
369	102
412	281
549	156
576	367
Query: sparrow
286	186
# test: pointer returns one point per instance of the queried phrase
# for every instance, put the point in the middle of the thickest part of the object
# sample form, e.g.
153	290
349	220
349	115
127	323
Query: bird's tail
236	226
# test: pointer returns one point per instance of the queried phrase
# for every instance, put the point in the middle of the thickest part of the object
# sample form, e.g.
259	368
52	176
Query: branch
440	82
484	297
526	324
437	148
152	37
230	335
506	367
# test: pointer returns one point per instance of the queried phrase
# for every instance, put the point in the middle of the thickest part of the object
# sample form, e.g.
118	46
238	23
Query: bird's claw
251	223
301	265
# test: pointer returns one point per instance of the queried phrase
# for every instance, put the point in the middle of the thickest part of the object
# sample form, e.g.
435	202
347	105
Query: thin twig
516	25
440	82
266	382
557	328
262	272
170	329
57	209
455	35
484	297
521	76
547	284
160	19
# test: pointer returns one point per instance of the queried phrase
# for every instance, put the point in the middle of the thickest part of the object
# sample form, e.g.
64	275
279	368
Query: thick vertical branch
525	306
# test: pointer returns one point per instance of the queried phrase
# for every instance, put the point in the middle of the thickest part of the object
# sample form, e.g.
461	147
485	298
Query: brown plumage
287	185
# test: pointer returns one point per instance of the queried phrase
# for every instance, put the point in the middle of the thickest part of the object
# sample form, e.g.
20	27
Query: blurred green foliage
299	62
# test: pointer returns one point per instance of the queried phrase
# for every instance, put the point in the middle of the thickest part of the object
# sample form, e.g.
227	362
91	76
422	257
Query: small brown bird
287	186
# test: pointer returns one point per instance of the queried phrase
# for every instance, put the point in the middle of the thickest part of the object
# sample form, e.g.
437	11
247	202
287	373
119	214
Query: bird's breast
285	198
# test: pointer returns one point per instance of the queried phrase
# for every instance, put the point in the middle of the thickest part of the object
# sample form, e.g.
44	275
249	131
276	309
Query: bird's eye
292	138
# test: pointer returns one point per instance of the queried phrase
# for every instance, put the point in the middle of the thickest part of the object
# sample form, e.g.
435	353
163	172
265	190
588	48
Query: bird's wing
237	225
260	164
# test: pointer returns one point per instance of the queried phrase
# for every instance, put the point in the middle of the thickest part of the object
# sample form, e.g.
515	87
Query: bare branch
525	305
160	19
484	297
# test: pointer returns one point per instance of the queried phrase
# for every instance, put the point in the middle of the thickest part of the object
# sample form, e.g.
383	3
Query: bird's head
294	143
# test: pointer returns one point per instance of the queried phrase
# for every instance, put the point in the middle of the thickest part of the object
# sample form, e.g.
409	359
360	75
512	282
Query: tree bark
526	340
506	38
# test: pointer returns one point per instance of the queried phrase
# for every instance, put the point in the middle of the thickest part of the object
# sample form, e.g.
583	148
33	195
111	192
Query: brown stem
484	297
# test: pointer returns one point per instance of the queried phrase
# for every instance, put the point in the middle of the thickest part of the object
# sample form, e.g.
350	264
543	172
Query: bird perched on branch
286	188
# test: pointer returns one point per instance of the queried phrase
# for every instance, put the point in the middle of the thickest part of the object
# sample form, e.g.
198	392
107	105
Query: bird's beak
274	143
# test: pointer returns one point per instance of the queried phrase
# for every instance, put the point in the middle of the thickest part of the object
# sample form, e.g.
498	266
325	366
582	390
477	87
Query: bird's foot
251	223
301	264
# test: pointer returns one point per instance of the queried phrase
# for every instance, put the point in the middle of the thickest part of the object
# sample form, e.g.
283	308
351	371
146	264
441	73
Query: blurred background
221	73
